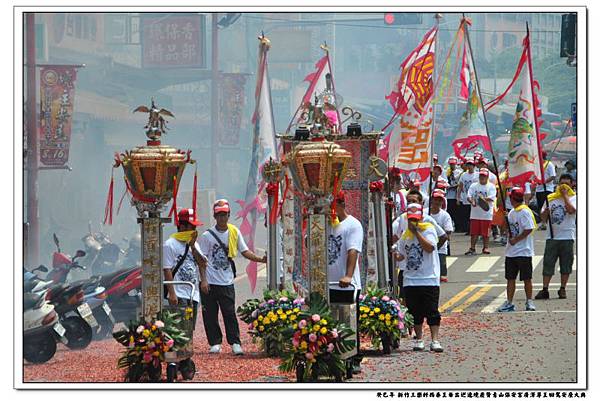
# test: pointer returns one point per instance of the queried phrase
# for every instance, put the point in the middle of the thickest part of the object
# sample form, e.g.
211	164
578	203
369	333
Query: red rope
108	209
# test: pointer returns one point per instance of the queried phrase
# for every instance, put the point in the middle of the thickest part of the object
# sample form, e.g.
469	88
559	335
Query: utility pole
214	108
33	229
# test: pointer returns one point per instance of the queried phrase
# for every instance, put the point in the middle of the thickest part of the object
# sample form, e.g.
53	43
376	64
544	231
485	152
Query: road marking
456	298
518	289
483	264
536	261
575	263
495	304
494	275
472	299
564	311
450	260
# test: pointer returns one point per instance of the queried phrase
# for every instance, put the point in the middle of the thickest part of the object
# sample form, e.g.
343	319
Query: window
82	26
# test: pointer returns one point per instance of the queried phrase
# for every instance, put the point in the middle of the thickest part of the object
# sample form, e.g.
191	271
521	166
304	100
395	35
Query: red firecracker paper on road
57	88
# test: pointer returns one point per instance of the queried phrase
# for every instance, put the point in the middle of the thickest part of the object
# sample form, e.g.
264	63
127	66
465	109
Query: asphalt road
481	345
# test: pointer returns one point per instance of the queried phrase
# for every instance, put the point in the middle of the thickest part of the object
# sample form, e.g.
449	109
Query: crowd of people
469	196
466	196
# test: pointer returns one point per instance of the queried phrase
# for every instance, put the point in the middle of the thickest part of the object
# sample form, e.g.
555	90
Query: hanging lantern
314	167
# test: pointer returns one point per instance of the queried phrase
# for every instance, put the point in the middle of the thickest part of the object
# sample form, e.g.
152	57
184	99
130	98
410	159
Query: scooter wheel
78	332
300	373
39	349
187	367
171	372
105	329
349	369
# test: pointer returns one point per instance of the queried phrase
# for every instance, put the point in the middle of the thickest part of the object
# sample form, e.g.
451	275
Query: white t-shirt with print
486	191
421	268
347	235
549	171
401	224
517	223
218	269
452	179
443	219
467	179
563	223
173	251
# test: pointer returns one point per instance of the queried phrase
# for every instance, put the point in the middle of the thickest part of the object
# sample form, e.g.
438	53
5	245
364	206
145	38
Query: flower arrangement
147	343
269	320
381	317
317	343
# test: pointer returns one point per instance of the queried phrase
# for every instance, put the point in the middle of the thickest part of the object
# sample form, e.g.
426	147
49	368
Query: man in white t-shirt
435	178
480	194
401	224
563	217
417	247
344	246
542	193
519	251
182	254
467	178
221	244
452	175
443	219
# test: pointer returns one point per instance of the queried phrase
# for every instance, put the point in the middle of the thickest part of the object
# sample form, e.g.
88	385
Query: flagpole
537	131
438	16
502	198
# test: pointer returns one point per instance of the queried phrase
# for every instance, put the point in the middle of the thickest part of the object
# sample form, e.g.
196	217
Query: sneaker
543	294
237	349
562	293
507	307
498	239
418	345
529	306
215	349
504	241
470	252
435	346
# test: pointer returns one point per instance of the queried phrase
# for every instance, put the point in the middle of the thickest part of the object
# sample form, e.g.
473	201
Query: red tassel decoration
122	197
273	191
174	207
194	194
285	192
335	192
108	209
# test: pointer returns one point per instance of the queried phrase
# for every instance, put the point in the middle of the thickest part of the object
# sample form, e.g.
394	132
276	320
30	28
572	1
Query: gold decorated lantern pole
318	168
272	174
152	175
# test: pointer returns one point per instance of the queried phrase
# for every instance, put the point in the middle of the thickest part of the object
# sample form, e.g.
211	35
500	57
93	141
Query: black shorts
422	302
521	265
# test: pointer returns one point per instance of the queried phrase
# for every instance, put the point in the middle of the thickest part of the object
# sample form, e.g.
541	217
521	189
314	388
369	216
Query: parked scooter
123	289
103	255
132	256
62	264
41	329
75	315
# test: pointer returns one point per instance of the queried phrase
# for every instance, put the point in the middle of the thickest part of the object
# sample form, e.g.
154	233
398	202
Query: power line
423	29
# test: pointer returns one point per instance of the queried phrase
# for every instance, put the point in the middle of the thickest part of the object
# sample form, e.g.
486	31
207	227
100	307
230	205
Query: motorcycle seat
30	300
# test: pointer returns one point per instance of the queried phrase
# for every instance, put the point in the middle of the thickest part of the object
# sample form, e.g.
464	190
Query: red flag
465	75
414	85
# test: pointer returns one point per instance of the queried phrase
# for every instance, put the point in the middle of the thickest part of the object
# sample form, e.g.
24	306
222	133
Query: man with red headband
443	219
183	260
468	177
519	251
417	247
549	176
437	180
221	244
344	245
480	195
452	175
